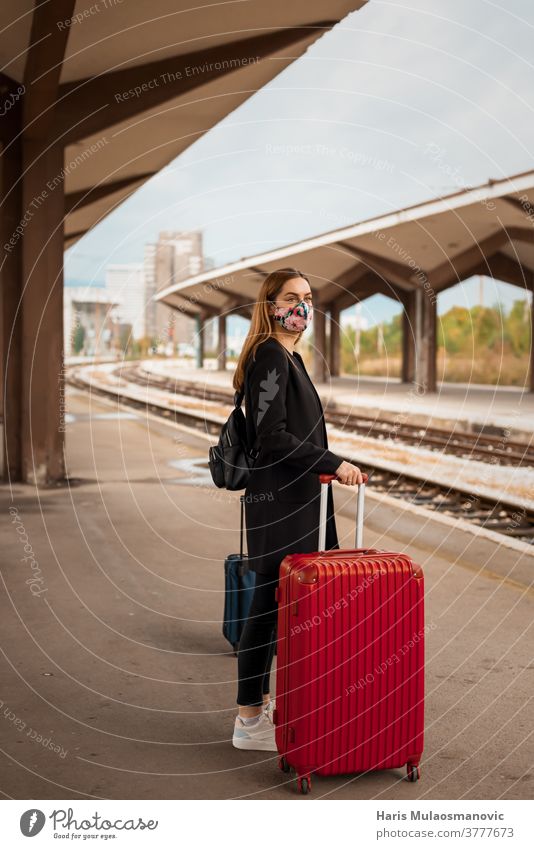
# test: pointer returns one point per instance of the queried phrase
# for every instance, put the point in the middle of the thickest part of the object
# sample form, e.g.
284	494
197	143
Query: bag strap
238	399
242	499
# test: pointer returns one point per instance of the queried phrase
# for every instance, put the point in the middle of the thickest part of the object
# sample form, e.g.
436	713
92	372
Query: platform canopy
434	245
410	255
95	98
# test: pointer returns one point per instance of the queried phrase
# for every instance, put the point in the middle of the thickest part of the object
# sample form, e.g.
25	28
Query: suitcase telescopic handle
325	480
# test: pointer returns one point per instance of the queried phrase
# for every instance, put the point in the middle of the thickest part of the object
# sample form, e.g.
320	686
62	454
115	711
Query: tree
517	328
78	339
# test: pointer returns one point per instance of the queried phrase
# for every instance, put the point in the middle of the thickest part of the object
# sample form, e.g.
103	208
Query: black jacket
284	413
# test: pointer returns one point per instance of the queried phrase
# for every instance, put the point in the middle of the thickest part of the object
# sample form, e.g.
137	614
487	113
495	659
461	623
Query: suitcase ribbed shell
350	670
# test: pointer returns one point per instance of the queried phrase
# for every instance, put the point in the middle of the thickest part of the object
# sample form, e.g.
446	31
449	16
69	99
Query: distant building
174	257
89	321
149	270
125	285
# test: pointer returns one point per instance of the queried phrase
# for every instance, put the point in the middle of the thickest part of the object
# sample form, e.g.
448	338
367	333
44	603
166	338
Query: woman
285	415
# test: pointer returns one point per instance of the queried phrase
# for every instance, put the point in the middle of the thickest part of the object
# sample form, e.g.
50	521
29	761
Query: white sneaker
259	736
269	708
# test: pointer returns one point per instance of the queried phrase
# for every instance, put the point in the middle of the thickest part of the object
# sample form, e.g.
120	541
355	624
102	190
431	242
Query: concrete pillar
335	345
10	300
425	341
408	338
200	321
43	386
221	355
319	345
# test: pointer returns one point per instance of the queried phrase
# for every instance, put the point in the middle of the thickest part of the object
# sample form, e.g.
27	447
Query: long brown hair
261	325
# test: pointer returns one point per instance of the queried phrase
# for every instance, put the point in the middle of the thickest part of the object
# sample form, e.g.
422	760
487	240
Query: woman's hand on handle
349	474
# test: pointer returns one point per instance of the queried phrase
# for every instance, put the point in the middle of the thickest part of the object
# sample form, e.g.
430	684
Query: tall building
174	257
125	285
149	267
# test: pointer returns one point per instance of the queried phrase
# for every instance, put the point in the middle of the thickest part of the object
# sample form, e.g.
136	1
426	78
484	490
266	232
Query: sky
369	99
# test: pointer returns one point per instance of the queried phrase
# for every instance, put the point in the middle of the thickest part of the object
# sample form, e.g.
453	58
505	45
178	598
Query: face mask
295	318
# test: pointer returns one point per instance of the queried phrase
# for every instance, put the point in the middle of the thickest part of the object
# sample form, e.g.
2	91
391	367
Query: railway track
473	446
500	516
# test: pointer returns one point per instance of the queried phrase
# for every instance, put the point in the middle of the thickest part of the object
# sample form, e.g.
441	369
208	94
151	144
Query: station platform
470	407
117	682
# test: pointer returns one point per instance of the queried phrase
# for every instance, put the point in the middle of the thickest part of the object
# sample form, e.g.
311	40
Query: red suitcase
350	667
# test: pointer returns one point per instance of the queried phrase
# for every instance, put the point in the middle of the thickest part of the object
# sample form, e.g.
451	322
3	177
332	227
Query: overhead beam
237	300
520	234
234	307
457	268
244	312
368	285
204	307
70	238
341	285
391	270
77	200
88	106
176	303
524	206
502	267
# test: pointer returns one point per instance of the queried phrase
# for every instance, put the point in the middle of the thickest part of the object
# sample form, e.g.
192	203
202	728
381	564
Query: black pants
257	644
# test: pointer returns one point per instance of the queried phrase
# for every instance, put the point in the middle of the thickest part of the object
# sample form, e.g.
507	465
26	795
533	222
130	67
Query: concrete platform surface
116	678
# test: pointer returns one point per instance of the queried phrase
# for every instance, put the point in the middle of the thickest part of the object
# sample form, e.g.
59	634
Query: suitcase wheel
414	773
304	784
283	764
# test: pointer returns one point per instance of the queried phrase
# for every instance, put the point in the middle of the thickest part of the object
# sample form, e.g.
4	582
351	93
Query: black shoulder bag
231	461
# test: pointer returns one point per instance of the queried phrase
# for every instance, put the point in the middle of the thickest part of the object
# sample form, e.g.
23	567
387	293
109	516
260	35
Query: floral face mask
295	318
